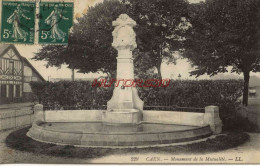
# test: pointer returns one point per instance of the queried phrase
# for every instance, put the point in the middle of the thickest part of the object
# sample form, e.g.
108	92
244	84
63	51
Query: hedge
181	93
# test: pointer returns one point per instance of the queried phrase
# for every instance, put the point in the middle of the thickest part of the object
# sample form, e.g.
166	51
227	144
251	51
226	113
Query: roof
5	47
29	64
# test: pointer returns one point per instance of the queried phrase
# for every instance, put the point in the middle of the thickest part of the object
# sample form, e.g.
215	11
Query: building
254	87
16	73
69	79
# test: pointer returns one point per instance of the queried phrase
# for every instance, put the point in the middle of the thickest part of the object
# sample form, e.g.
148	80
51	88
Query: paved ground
252	101
254	105
247	153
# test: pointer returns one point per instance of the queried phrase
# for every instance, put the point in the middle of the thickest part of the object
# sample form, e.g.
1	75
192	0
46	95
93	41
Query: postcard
129	82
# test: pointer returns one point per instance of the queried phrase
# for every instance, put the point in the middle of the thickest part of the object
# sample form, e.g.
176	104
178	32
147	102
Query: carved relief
124	36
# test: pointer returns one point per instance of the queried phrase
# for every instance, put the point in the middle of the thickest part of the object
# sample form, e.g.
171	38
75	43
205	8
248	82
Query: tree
159	31
90	50
89	47
225	33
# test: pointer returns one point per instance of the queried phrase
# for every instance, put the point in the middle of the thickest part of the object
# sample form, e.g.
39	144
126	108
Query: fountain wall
210	117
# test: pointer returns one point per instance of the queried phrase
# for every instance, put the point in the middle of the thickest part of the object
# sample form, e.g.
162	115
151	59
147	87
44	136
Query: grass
19	141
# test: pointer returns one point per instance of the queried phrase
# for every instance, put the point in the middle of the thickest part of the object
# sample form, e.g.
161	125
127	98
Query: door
11	93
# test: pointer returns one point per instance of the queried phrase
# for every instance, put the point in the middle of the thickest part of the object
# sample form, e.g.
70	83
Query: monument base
125	99
125	107
122	117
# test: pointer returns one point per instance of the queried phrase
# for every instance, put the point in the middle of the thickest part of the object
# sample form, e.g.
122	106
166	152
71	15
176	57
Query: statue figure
54	20
15	20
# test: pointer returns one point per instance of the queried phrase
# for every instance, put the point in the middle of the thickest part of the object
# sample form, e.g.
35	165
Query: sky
168	71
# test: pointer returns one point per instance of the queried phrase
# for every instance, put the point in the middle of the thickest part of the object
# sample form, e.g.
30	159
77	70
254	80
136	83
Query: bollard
39	114
211	117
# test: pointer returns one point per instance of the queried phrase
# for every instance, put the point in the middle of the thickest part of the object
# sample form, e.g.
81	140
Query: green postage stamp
55	22
18	22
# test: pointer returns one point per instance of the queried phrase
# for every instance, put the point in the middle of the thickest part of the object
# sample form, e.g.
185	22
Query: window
18	89
3	90
11	66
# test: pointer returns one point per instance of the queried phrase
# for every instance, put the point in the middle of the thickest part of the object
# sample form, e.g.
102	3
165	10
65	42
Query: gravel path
247	153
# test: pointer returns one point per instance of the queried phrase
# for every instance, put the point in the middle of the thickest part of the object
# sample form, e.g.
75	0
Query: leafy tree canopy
224	33
159	34
89	47
161	28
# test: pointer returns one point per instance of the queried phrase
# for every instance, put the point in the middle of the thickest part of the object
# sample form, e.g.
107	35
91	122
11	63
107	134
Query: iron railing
152	108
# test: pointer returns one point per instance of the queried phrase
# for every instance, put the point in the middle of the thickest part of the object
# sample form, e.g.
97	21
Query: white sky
168	71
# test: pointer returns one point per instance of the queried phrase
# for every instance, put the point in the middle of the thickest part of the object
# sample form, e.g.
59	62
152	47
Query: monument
124	123
125	106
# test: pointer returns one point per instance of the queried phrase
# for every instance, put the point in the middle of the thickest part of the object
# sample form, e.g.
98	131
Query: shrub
64	94
199	94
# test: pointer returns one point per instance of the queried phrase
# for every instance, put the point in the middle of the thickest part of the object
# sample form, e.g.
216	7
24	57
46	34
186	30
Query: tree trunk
158	67
159	62
246	86
112	75
72	74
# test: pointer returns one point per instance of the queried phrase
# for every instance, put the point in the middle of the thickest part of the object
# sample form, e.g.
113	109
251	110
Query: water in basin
98	127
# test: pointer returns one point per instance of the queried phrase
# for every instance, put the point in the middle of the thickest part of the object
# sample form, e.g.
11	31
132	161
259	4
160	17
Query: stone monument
124	123
125	105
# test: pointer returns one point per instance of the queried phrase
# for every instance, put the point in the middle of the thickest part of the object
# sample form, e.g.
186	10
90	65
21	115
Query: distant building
254	83
16	72
254	87
69	79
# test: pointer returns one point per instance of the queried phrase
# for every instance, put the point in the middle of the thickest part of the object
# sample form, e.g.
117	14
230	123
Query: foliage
199	94
224	33
160	29
70	94
237	123
38	89
90	48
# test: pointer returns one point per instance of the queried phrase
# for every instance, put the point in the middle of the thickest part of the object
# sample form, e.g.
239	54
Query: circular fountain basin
99	134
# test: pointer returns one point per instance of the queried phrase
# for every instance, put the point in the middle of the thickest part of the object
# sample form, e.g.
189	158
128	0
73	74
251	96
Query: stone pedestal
125	106
212	118
38	113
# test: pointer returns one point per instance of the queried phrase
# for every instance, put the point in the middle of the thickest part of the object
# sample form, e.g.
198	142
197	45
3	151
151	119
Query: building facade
16	73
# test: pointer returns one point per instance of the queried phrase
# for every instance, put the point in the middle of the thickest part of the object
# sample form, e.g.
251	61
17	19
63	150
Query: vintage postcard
129	82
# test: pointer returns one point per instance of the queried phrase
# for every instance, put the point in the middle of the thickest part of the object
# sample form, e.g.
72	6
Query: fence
151	108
